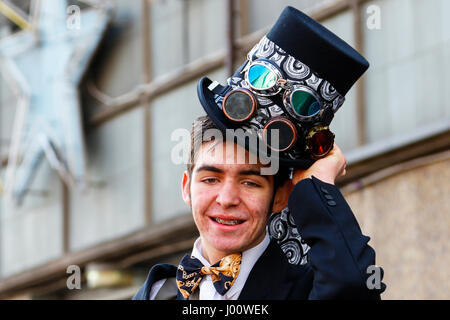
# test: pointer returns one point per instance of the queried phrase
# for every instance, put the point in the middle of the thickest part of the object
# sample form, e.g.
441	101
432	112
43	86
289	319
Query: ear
185	188
282	196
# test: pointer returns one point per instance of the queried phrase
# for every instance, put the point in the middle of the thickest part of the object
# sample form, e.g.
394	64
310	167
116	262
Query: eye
251	184
210	180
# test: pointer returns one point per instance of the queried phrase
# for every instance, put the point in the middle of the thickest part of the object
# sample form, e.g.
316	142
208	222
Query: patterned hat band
274	103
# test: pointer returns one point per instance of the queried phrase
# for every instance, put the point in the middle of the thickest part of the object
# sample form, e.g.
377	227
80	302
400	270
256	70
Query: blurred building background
394	129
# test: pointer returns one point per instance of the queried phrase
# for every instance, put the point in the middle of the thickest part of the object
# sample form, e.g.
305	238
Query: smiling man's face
230	200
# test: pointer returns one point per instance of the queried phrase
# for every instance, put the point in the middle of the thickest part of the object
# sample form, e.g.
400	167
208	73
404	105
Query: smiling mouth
228	222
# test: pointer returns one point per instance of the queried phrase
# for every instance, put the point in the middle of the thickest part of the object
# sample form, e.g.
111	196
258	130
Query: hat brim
208	103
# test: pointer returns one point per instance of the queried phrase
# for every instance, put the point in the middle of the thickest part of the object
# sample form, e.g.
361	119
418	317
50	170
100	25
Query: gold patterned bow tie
191	271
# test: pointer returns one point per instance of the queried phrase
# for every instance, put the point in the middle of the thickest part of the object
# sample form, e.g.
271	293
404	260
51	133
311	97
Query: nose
228	195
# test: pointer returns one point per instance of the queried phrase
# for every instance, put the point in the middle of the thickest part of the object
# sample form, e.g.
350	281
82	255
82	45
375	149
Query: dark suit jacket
337	260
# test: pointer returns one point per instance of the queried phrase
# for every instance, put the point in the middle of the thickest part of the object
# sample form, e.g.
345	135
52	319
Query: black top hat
305	55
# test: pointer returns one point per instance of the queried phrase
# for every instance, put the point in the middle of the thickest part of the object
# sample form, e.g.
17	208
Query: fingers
327	169
341	160
337	152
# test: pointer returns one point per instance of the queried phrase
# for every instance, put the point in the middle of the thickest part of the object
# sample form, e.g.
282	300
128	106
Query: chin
228	245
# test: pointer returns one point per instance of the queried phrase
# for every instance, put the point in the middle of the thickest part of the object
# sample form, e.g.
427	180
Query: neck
213	256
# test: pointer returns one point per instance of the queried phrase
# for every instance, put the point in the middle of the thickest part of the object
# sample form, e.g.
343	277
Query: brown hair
199	127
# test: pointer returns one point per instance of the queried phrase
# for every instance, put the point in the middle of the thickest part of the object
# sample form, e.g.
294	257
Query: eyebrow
209	168
248	172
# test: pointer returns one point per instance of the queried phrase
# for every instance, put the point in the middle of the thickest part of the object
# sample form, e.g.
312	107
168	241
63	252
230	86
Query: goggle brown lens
287	134
239	105
321	143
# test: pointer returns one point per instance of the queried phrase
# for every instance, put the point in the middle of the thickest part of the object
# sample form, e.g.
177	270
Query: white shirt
206	288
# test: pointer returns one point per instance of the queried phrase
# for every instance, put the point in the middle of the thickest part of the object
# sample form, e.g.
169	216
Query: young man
231	202
291	84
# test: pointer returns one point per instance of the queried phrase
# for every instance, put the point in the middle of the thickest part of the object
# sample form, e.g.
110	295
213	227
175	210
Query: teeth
227	222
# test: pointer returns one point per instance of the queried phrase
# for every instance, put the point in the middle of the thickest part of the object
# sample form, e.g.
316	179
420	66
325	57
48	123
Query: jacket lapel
268	278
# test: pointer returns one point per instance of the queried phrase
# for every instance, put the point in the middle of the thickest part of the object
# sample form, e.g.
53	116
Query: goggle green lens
261	77
304	103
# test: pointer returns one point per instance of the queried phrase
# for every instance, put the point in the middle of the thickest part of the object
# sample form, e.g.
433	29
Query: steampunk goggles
301	102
